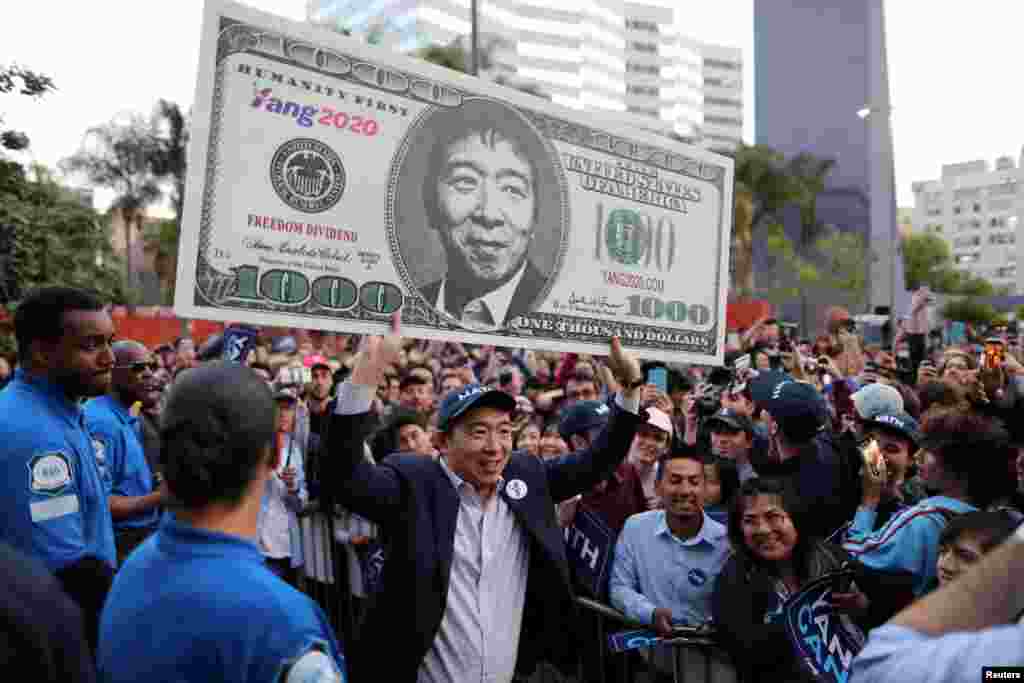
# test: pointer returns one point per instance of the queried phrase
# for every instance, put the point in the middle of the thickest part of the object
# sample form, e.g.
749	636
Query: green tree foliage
169	127
837	261
121	156
927	261
807	173
764	184
25	82
971	285
53	238
968	310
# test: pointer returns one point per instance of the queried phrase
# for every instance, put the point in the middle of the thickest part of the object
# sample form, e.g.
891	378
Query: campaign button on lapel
516	489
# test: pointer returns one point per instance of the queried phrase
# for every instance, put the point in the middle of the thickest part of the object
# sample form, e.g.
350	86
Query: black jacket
525	297
820	477
416	505
743	596
40	627
762	652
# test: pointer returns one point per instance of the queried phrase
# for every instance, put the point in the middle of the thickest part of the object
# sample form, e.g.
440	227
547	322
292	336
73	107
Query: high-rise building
979	212
821	85
722	80
626	58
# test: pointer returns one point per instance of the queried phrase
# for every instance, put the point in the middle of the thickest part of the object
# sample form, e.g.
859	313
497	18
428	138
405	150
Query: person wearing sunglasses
113	422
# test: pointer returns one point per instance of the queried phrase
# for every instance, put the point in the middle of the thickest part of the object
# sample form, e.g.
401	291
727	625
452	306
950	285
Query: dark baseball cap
729	420
797	407
458	401
583	416
900	423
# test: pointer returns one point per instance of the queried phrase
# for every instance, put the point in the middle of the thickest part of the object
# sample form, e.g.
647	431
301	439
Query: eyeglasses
139	367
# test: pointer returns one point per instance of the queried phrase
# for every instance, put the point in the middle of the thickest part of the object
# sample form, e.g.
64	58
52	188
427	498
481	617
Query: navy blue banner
239	341
589	545
825	641
371	561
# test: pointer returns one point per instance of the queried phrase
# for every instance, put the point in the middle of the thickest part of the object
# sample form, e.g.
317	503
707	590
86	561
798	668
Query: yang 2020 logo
308	115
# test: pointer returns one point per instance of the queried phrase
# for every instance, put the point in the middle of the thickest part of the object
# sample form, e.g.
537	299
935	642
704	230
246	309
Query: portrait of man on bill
481	198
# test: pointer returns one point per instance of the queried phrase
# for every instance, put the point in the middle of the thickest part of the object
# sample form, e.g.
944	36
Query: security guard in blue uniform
134	499
195	601
53	504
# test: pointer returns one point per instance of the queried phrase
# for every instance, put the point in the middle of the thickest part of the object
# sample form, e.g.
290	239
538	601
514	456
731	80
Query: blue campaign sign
589	544
371	561
825	641
624	641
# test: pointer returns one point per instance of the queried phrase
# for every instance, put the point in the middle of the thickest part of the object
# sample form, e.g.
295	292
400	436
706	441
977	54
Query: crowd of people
172	516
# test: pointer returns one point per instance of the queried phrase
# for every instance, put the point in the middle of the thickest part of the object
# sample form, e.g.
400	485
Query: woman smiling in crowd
772	561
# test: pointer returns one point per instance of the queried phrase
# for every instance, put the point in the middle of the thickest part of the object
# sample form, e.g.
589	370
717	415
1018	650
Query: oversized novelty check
332	183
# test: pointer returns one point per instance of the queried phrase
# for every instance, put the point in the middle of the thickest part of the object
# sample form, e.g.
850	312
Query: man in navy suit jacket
476	583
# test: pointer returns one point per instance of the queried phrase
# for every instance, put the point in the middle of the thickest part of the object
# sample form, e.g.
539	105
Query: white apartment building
627	58
979	212
722	74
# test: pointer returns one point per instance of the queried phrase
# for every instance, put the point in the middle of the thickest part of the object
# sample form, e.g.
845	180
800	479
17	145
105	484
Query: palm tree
120	156
809	173
171	128
763	187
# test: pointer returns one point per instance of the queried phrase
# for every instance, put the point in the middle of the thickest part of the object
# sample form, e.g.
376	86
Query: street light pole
474	48
868	114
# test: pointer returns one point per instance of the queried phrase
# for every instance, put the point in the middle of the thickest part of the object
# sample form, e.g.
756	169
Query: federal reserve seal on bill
307	175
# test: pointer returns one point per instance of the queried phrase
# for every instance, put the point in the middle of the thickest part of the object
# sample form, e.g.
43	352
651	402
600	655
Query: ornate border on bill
632	172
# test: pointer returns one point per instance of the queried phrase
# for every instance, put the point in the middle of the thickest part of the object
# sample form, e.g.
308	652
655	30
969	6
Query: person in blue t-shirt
53	504
220	614
134	498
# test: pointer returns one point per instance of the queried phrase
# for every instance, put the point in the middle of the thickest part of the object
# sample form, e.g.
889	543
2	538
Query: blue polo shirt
196	605
118	444
653	568
53	503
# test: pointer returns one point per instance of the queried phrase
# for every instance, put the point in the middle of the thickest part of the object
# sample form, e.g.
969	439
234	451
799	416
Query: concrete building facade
818	64
978	210
625	58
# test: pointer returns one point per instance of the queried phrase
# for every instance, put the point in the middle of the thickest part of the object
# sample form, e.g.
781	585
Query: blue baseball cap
898	422
583	416
458	401
797	407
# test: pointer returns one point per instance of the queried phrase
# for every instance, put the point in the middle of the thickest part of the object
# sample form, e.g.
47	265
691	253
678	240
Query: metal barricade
328	583
695	658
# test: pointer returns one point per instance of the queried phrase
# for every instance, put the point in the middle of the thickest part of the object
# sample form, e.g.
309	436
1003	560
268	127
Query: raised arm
362	487
578	472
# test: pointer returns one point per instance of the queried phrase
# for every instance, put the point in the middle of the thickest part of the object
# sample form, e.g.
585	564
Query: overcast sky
952	72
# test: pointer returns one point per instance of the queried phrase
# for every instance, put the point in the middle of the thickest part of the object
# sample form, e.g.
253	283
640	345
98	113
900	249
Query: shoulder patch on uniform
50	473
315	666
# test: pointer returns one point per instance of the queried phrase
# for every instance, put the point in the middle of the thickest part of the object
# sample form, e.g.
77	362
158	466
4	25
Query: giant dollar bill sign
332	184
